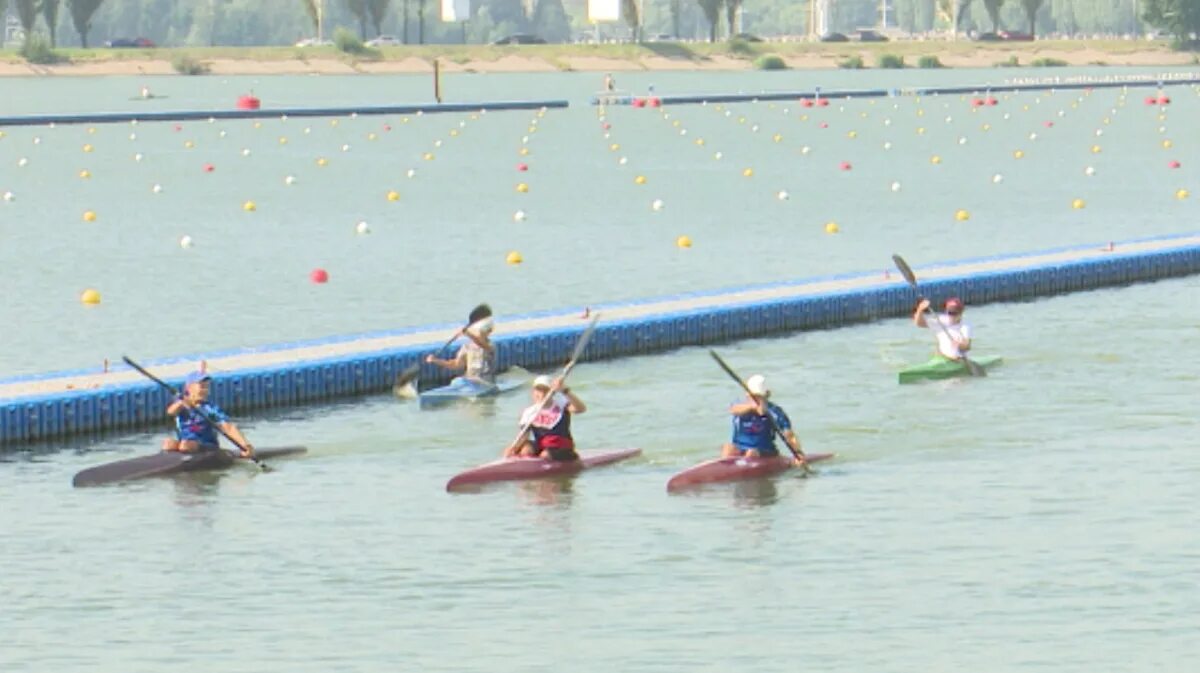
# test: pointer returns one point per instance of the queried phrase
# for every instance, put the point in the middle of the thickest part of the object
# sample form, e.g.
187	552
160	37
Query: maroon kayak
515	469
736	469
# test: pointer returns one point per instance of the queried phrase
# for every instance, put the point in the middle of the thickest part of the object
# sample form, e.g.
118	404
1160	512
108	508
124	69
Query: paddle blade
479	313
407	376
974	368
905	270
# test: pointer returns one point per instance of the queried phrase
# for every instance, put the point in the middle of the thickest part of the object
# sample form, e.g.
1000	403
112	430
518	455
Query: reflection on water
755	493
556	493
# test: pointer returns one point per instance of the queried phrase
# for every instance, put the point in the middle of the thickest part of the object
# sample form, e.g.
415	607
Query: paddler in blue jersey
477	358
753	436
547	422
954	335
194	432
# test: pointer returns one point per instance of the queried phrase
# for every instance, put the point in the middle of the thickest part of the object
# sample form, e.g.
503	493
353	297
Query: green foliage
188	65
889	62
712	14
358	9
741	47
1180	18
1048	63
36	49
929	62
550	21
1012	62
770	62
81	16
348	43
851	63
50	15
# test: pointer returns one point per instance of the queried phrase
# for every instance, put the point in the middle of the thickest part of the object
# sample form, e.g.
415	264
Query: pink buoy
209	168
248	102
824	125
845	166
638	102
1048	124
1173	164
976	102
319	276
178	128
991	102
606	126
822	102
1164	100
522	167
1151	100
387	127
806	102
654	101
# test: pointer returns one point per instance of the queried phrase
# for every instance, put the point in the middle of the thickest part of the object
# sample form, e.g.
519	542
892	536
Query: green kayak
939	367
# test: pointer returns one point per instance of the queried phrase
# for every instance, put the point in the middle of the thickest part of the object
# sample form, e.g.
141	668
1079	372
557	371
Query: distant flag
604	10
456	10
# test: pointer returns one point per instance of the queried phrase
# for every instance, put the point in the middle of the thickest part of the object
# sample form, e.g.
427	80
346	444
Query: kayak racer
954	340
477	358
753	434
548	422
194	431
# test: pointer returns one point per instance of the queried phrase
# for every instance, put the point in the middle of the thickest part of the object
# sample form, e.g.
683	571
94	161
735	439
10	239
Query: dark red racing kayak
170	462
516	469
722	470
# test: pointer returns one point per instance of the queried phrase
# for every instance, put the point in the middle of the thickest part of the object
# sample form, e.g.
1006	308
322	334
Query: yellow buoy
852	135
1095	149
639	180
282	140
89	216
1182	194
249	207
749	172
986	127
522	187
1078	204
935	160
524	151
322	162
393	195
778	137
189	144
85	174
700	142
832	228
614	147
1166	144
1019	154
962	215
90	297
87	148
920	130
428	156
514	257
683	242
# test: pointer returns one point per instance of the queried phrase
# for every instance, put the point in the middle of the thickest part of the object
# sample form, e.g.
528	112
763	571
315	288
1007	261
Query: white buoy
519	216
221	134
185	242
783	195
345	148
1089	171
412	172
37	140
246	152
805	150
157	189
962	140
137	157
887	145
997	178
362	228
22	162
657	205
895	186
622	161
9	196
1033	136
289	180
133	136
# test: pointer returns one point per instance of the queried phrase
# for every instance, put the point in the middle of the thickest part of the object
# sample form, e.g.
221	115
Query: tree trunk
420	21
405	38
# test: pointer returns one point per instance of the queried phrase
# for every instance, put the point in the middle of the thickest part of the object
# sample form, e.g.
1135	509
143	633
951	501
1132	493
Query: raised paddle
414	370
211	421
770	419
906	271
580	346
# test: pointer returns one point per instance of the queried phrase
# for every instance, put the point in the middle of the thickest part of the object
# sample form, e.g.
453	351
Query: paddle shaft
799	455
175	391
580	346
907	272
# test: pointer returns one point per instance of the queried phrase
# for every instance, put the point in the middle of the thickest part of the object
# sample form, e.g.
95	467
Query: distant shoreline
593	58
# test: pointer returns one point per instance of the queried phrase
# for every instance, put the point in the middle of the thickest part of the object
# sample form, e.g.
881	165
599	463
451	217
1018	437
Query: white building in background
14	34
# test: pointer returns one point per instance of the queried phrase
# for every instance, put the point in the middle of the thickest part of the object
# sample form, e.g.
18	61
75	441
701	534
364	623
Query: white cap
758	385
484	326
543	381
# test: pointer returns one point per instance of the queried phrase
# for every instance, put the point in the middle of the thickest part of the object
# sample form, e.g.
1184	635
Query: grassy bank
721	55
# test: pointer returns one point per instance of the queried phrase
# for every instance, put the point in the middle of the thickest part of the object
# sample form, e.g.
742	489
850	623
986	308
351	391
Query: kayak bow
169	462
517	469
722	470
939	367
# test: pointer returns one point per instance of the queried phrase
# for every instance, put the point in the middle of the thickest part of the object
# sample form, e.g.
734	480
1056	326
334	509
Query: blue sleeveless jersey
189	424
752	431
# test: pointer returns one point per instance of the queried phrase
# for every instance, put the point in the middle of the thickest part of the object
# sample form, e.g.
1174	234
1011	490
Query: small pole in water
105	365
1110	246
204	366
437	81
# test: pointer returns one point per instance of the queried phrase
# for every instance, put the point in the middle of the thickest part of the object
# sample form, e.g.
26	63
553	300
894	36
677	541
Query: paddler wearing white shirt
477	358
954	341
549	422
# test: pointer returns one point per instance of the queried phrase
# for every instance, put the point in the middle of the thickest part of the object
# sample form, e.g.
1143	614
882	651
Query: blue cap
197	377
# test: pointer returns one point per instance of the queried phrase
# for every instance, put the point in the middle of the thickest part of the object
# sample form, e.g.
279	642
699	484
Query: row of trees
258	22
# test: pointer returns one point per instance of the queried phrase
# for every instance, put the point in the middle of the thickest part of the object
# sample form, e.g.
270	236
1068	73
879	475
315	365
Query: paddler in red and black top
549	421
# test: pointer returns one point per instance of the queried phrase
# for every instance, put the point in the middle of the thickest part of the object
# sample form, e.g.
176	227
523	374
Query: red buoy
319	276
248	102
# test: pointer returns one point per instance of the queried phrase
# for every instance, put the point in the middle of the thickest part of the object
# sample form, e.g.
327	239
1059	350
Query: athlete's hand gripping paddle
580	346
770	419
211	421
906	271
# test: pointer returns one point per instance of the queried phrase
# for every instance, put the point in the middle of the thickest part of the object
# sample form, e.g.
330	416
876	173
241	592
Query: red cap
954	304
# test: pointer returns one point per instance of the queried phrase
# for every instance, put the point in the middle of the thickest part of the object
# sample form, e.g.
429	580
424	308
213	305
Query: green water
1041	519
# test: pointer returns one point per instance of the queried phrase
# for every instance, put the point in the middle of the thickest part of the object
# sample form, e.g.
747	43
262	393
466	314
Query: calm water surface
1041	519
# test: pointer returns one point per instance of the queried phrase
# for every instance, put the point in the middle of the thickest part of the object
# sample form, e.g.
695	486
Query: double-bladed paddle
906	271
770	419
211	421
410	374
580	346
